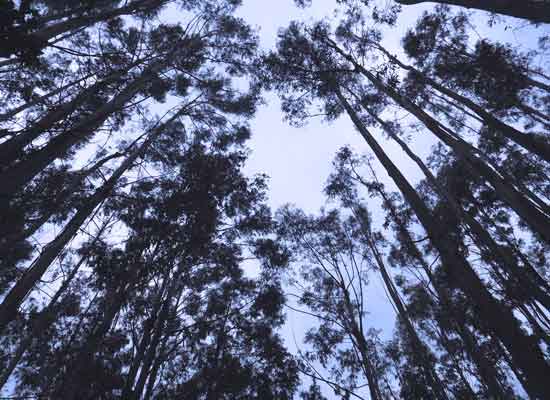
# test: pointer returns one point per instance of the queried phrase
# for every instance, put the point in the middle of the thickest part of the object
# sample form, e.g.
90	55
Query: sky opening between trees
312	200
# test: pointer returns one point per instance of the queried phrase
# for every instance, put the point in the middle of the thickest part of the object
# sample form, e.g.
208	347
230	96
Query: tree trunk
159	331
11	113
524	352
362	347
155	370
144	343
537	11
421	350
12	301
16	177
13	149
12	240
537	288
74	382
42	36
487	372
536	144
42	321
534	217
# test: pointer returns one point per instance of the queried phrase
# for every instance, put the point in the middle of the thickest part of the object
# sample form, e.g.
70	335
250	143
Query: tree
431	292
308	71
536	11
333	291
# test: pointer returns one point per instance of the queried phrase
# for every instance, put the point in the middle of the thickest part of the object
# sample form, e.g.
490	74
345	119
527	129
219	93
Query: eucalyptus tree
333	288
214	109
36	25
310	69
178	277
210	113
492	79
429	298
176	51
352	252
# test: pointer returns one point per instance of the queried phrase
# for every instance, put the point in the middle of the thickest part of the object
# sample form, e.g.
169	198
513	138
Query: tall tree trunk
487	372
12	301
533	216
155	370
535	287
16	177
421	350
74	382
158	334
149	358
46	317
13	149
144	343
524	352
13	240
41	37
536	144
13	112
357	337
534	10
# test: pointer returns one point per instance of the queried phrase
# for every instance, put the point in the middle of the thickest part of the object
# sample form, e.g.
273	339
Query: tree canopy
139	260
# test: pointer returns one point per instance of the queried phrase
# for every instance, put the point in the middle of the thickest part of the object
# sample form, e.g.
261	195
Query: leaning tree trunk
13	240
534	10
524	351
14	111
420	348
41	37
44	320
533	216
534	286
13	149
536	144
144	342
487	372
16	177
12	301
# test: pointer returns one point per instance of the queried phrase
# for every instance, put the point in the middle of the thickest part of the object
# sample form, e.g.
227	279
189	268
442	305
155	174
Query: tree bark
533	10
421	350
13	149
14	298
42	36
43	320
536	144
534	286
13	112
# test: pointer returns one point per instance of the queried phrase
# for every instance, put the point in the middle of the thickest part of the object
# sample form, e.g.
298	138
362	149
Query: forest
140	259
